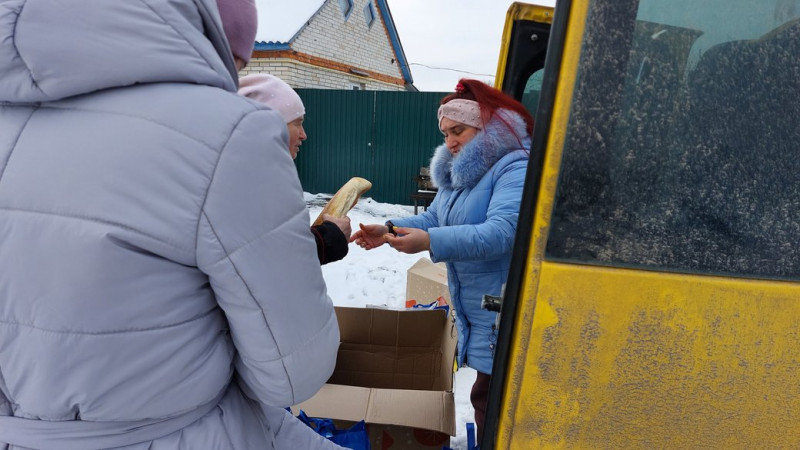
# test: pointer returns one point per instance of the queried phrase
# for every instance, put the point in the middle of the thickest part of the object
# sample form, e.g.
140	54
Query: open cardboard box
394	371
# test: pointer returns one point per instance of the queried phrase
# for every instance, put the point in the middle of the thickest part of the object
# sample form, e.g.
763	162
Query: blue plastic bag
471	445
355	437
433	305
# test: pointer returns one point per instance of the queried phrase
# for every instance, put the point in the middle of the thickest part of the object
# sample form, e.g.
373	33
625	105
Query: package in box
426	282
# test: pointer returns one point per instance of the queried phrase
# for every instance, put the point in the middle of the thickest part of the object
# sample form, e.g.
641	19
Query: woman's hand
409	240
342	222
370	236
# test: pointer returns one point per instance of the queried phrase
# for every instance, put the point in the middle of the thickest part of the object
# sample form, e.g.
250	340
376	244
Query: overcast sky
443	40
451	34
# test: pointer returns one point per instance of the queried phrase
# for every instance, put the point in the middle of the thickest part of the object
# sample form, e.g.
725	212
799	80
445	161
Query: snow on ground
378	277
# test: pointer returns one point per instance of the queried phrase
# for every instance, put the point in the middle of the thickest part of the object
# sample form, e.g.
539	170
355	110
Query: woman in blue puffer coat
471	223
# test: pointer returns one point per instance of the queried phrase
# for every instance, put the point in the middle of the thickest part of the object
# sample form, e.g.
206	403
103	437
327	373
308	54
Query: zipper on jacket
493	339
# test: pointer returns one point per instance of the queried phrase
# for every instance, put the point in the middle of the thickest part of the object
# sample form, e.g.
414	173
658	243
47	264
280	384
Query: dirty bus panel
656	304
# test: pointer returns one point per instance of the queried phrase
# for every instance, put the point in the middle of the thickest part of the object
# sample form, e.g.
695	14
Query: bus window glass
683	143
533	89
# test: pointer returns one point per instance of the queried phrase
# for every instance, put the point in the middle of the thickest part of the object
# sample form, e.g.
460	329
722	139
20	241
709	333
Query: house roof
279	25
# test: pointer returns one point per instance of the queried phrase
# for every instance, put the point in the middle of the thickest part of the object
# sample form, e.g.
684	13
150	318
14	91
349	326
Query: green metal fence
382	136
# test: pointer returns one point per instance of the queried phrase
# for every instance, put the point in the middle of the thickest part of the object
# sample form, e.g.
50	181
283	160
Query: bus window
681	152
533	88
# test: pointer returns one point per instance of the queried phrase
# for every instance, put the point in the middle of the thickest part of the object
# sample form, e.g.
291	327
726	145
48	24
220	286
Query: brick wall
302	75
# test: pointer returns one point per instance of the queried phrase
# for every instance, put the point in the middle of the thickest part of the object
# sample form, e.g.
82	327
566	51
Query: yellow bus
654	295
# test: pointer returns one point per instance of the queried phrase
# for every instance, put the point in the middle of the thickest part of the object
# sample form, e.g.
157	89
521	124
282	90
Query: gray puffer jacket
159	287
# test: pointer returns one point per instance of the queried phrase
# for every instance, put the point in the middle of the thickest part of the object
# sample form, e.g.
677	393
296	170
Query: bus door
654	295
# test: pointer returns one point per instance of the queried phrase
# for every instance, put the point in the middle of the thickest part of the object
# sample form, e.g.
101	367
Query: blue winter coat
472	222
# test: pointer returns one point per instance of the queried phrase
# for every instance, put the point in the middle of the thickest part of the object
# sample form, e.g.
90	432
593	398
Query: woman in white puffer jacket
159	287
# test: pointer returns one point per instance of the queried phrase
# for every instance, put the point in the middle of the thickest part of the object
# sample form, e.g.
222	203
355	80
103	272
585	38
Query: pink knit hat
240	22
463	111
273	92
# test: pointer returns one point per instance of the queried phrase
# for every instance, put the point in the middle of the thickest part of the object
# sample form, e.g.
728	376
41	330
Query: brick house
330	44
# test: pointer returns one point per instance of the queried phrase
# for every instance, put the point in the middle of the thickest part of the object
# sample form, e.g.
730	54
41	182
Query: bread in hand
345	198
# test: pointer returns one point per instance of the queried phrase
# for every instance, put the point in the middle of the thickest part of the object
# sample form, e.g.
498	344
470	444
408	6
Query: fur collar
467	168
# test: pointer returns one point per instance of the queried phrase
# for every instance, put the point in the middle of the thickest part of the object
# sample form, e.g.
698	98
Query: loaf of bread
345	198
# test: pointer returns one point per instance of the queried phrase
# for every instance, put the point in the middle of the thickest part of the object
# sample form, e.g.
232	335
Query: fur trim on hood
467	168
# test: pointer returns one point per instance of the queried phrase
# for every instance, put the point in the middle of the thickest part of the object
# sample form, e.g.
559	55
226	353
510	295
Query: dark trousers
479	396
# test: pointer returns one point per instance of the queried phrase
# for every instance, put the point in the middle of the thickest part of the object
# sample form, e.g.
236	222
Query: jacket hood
476	158
50	50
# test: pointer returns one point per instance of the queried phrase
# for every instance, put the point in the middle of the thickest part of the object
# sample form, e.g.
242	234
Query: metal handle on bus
491	303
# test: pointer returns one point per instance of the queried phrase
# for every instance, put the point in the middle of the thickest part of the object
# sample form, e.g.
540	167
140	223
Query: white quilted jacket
159	287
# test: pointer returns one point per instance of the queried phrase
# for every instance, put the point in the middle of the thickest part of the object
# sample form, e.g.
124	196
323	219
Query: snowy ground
378	277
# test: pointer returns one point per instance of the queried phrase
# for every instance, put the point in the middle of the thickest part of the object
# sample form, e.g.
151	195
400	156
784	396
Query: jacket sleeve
331	242
255	247
494	237
424	220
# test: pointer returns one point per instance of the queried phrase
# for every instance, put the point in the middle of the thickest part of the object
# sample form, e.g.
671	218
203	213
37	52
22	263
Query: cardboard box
426	282
394	370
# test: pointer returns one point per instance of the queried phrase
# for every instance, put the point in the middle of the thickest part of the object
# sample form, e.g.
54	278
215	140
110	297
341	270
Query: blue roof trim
398	48
271	46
